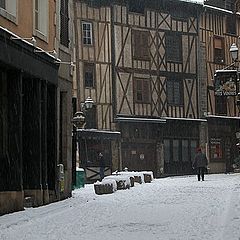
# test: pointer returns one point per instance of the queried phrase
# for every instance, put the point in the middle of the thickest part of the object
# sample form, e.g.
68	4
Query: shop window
221	105
41	18
173	47
219	50
3	114
215	149
141	90
141	45
174	92
175	150
193	149
89	75
64	23
167	149
231	24
87	33
185	155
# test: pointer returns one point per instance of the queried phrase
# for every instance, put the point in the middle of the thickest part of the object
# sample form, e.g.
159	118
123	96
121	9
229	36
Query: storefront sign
225	82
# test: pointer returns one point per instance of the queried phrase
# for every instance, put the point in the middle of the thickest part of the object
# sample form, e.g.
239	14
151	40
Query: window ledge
41	35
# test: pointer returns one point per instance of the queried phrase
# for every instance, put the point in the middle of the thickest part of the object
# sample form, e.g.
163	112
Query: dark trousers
102	172
200	173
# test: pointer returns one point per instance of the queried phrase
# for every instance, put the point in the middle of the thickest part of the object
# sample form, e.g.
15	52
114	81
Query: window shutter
89	75
146	91
141	48
64	31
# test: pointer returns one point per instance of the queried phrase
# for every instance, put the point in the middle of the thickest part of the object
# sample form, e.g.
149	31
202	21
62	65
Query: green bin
80	178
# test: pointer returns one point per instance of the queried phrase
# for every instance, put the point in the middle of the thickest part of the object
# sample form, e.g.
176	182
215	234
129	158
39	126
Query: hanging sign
225	83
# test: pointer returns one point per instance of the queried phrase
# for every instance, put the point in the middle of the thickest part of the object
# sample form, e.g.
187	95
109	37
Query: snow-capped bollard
105	187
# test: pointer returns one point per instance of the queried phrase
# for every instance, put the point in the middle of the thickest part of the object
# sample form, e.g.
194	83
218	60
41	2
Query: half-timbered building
219	29
138	61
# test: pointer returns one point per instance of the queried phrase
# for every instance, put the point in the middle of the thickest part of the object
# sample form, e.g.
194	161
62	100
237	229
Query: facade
94	79
219	29
138	61
35	90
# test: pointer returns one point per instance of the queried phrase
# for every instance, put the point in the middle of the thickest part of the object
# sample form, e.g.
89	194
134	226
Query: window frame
175	40
39	14
231	24
172	87
7	13
145	95
89	66
218	52
84	36
64	23
140	51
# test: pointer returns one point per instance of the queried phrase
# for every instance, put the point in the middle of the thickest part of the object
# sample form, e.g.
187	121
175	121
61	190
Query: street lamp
234	52
88	104
79	122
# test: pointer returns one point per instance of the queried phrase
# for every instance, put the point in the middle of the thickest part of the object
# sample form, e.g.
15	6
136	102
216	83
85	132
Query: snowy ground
167	209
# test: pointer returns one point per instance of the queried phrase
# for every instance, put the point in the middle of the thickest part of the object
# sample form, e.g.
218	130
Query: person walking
101	165
200	164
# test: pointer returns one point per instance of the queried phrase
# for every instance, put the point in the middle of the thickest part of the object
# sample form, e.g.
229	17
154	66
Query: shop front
92	142
222	142
28	116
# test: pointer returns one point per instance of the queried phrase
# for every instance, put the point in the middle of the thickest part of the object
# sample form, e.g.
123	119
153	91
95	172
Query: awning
140	120
19	53
98	134
186	119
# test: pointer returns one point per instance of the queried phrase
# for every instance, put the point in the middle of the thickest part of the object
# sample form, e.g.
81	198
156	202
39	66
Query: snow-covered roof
194	1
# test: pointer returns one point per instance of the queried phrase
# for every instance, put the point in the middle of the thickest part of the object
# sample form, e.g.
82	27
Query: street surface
174	208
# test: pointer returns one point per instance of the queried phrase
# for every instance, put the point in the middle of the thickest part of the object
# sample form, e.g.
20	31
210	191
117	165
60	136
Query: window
141	90
137	6
173	47
221	105
167	150
193	149
141	47
64	28
89	75
41	17
219	50
8	9
229	5
231	24
3	4
174	92
175	150
185	155
87	33
216	149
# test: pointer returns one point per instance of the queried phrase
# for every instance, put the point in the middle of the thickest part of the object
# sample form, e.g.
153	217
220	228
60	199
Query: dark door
139	157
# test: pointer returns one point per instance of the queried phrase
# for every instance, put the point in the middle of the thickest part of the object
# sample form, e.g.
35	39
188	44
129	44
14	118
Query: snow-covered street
166	209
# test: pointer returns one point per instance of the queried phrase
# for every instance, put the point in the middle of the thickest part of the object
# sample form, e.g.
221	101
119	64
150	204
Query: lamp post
79	122
234	55
234	52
